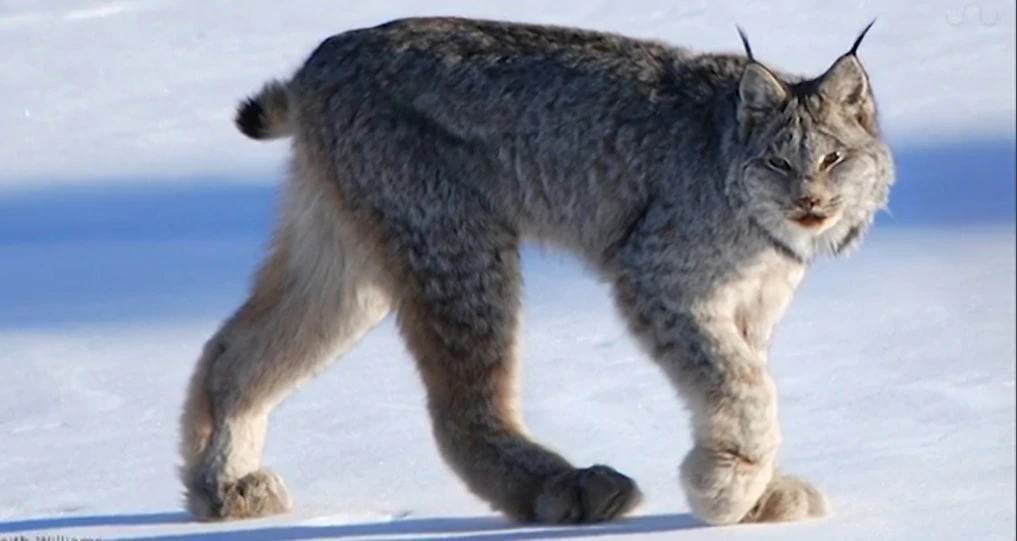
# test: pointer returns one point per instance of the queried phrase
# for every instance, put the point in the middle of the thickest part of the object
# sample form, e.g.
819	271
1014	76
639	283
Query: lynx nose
808	202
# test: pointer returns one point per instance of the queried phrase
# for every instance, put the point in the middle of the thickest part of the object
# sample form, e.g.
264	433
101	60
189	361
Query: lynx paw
257	494
788	498
593	494
721	486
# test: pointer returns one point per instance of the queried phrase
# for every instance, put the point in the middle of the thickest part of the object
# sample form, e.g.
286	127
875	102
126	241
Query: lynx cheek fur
699	186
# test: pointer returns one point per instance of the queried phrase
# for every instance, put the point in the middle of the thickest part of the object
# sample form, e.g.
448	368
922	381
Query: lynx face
814	170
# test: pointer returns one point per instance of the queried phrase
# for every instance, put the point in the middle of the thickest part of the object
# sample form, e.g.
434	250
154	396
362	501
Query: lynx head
812	169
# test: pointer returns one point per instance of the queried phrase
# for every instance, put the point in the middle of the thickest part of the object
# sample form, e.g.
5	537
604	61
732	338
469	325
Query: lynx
699	187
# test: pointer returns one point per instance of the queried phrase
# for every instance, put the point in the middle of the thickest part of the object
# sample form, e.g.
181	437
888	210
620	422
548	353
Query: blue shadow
90	521
424	529
969	183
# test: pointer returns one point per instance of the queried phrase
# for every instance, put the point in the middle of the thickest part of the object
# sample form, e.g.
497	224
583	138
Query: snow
131	216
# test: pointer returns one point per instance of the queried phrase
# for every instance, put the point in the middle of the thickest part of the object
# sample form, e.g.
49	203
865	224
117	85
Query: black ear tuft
745	43
861	36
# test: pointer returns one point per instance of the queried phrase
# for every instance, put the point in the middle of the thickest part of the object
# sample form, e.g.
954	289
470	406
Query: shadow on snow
424	529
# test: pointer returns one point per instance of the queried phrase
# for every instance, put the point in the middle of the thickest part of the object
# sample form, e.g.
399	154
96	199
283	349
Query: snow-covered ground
131	215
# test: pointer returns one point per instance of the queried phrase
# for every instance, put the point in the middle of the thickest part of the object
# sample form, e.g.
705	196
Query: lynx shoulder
424	151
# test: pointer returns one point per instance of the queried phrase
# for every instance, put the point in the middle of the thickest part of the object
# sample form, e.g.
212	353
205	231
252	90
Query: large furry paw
593	494
721	486
788	498
258	494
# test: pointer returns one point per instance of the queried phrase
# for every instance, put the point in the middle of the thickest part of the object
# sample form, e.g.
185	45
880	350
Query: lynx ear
846	82
846	85
759	91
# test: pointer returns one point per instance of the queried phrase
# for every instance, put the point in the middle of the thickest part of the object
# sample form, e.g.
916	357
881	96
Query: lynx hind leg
460	322
315	296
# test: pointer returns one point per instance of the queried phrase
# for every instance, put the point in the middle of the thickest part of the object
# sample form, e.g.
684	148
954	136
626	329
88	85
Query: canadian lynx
424	150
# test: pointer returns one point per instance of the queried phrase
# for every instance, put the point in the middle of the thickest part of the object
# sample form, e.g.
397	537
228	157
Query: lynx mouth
810	220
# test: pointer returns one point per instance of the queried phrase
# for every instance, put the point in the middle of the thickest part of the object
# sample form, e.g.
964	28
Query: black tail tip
249	119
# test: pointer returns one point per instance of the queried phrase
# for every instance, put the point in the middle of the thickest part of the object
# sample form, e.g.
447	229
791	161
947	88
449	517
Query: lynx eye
830	160
778	164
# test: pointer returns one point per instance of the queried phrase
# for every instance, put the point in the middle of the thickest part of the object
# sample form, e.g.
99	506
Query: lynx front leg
730	475
460	321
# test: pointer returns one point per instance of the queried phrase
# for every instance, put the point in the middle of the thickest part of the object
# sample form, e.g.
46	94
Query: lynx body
424	151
